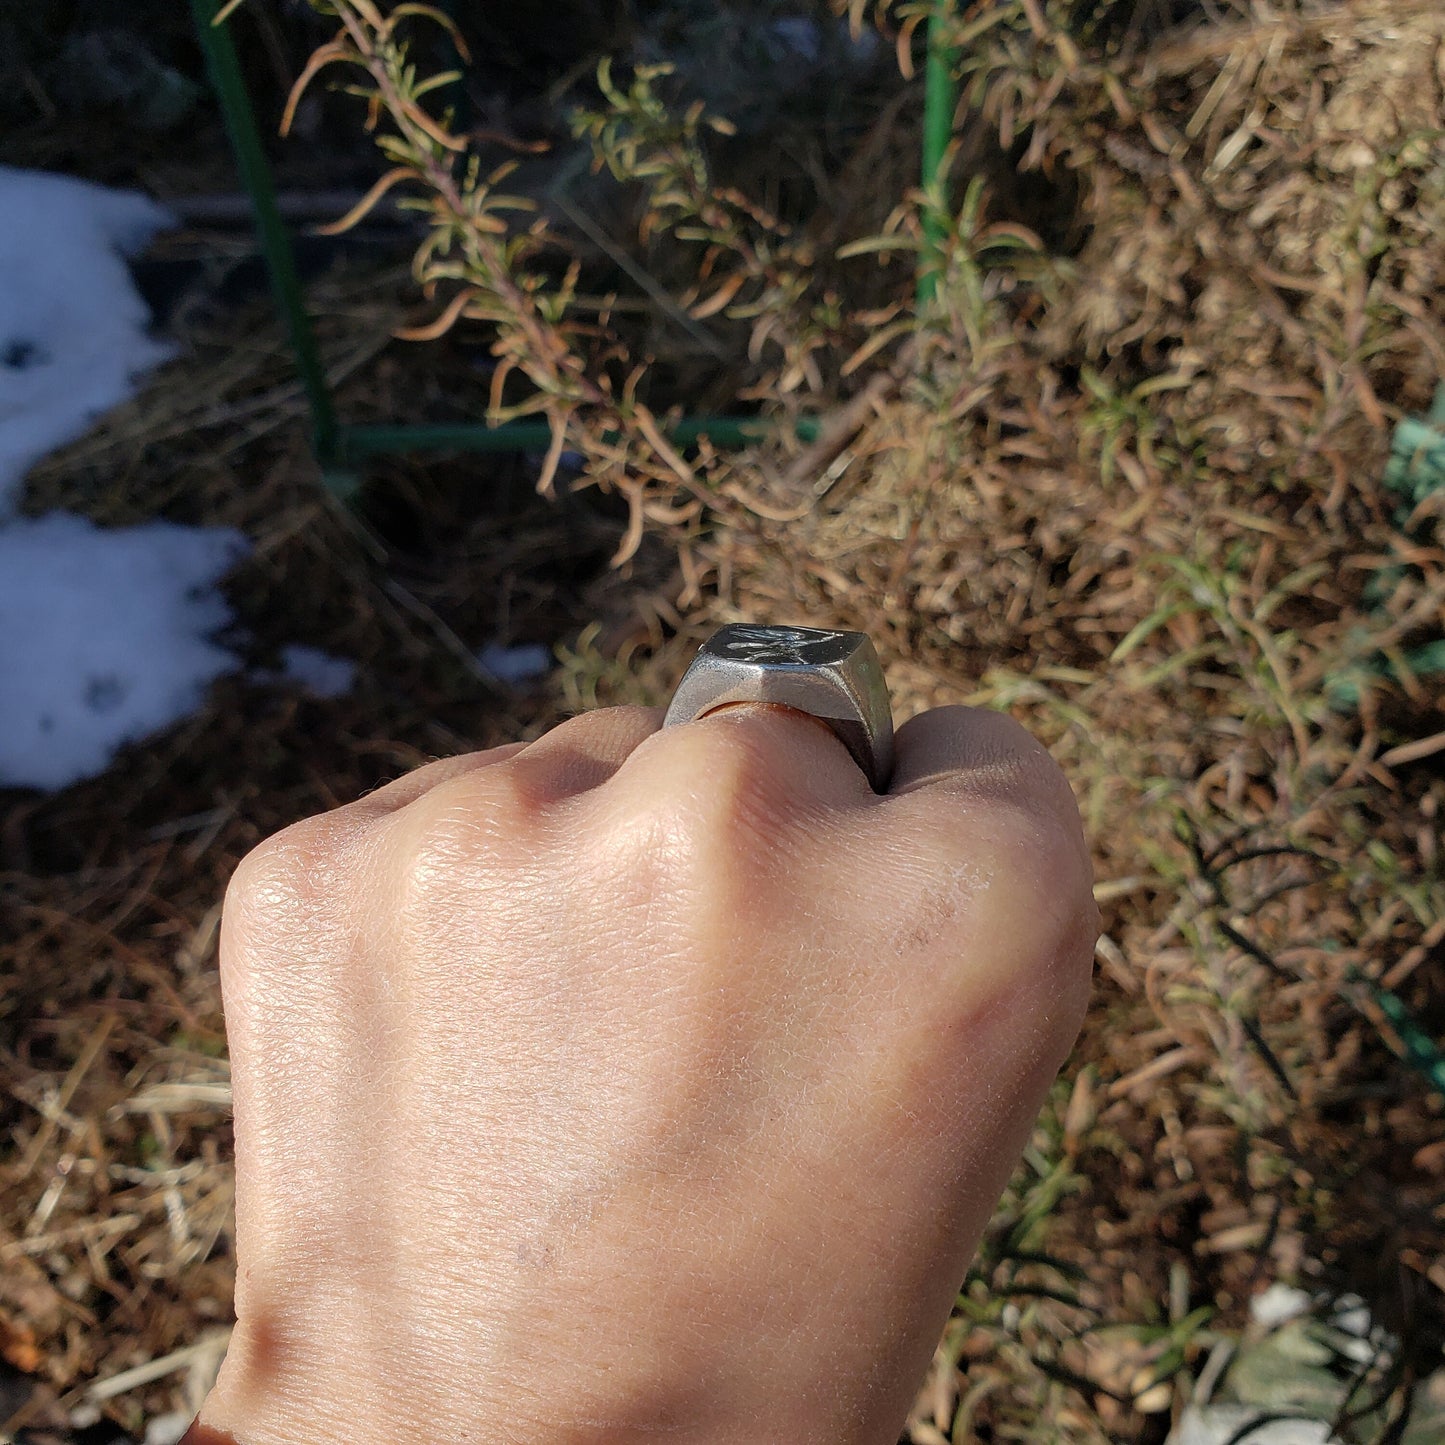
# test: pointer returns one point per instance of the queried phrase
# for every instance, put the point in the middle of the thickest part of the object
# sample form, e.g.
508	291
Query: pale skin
639	1084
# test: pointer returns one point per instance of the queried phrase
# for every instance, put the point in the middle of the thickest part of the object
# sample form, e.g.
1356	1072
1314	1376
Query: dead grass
1132	496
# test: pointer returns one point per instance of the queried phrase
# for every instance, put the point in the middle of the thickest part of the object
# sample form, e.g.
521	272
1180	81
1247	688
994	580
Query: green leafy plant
490	258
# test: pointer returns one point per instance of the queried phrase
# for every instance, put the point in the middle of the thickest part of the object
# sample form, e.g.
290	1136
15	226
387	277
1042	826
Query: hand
639	1084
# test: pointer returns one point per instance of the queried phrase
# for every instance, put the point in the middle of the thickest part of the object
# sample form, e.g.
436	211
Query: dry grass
1131	495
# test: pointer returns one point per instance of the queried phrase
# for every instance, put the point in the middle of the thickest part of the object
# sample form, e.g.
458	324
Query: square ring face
742	642
836	676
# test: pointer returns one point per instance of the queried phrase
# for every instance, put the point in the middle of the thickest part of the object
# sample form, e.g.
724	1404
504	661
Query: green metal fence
342	448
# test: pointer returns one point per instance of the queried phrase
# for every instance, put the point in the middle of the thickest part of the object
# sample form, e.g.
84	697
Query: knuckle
632	717
281	877
287	908
1036	861
1004	928
726	780
516	794
1039	903
697	813
1009	872
492	816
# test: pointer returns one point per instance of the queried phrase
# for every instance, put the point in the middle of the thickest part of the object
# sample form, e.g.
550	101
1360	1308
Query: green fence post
940	98
240	120
339	449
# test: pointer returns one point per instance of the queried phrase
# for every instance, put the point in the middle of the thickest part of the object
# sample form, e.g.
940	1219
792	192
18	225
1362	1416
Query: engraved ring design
835	676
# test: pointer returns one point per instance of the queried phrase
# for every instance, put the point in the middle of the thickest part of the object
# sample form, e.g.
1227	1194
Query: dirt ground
1129	489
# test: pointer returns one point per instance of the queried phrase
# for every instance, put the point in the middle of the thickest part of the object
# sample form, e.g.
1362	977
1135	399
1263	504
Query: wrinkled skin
639	1084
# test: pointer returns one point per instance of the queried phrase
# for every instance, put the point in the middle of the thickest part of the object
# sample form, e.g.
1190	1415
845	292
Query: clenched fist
639	1084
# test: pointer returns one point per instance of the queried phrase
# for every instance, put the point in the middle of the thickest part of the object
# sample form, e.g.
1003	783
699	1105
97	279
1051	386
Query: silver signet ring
835	676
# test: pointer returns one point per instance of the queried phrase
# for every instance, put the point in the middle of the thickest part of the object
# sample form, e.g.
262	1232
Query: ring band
835	676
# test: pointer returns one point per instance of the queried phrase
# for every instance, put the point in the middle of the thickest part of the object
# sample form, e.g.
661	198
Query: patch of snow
1220	1424
800	35
104	638
1352	1315
168	1429
865	45
322	674
1277	1305
515	664
73	328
